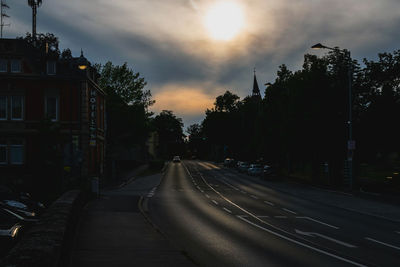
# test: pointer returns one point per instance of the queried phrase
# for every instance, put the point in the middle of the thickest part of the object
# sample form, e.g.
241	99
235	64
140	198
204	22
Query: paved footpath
113	232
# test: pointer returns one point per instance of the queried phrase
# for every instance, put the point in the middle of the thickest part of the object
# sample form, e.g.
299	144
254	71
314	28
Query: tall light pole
350	141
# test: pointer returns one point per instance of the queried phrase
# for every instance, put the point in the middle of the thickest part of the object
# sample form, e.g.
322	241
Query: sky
191	51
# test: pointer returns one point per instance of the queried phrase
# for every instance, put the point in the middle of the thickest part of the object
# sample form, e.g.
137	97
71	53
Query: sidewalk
113	232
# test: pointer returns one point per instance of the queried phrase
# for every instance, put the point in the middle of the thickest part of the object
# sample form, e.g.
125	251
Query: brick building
52	121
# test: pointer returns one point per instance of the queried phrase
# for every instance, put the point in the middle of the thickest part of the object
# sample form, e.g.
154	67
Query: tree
44	41
127	102
124	82
170	132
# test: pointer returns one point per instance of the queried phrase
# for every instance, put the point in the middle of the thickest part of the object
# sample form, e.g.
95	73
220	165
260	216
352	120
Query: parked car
268	172
10	229
255	170
229	162
176	159
20	203
243	167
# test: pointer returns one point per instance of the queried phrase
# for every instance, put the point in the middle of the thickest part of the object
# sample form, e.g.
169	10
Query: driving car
176	159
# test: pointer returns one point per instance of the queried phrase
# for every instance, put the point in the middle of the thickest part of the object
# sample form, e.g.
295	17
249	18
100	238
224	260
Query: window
3	65
17	107
15	65
51	67
3	152
3	107
52	108
16	152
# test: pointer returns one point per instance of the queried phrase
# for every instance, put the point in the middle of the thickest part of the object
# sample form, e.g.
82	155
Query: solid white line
272	232
280	217
299	243
290	211
215	202
311	234
207	196
382	243
269	203
253	196
225	209
314	220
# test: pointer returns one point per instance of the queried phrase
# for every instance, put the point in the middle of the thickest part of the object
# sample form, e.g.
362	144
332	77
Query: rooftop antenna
3	15
34	4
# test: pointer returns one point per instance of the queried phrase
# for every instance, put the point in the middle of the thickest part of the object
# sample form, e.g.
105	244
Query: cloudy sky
191	51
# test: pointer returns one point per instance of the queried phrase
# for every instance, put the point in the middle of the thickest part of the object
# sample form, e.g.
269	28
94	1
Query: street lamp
350	141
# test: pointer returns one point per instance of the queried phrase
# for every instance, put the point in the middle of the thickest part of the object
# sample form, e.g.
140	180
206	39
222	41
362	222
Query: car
268	172
229	162
176	159
10	229
243	167
255	170
20	203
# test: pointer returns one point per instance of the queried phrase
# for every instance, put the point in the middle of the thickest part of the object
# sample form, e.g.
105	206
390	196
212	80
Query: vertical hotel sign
92	117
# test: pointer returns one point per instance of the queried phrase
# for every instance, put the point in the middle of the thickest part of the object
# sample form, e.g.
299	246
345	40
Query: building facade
52	120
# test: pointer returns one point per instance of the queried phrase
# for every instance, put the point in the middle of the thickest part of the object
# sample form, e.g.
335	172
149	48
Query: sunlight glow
224	20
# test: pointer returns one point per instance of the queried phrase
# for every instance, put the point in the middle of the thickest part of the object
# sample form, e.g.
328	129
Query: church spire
256	90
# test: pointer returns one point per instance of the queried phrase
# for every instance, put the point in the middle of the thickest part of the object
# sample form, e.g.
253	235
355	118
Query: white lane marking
225	209
270	231
280	217
207	196
290	211
262	216
215	202
382	243
201	190
325	237
299	243
198	187
231	186
314	220
244	192
269	203
253	196
152	192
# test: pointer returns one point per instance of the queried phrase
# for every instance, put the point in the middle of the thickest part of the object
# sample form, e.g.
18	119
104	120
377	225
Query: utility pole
3	15
34	4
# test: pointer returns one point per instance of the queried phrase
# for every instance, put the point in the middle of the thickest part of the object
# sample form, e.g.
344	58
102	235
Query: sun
224	20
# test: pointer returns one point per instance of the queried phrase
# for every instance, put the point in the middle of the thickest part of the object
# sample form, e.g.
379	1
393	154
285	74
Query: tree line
301	124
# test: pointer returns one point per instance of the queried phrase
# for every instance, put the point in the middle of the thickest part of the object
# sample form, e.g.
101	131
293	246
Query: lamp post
350	141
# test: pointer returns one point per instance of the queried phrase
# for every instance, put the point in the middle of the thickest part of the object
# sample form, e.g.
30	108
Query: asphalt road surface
222	218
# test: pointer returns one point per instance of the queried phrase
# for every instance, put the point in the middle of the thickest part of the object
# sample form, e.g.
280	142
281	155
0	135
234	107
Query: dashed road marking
201	190
244	192
152	192
382	243
207	196
225	209
300	243
215	202
269	203
290	211
317	221
253	196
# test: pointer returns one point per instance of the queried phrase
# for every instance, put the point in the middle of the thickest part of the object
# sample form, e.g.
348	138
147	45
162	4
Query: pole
350	123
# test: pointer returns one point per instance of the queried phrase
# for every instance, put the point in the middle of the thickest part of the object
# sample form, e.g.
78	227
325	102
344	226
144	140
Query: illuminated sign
92	118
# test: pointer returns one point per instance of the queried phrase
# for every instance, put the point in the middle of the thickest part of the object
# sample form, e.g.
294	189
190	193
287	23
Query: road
223	218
